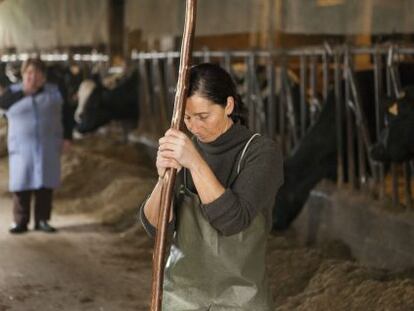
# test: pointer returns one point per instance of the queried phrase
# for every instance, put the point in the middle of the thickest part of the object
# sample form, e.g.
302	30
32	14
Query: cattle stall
66	70
286	91
88	62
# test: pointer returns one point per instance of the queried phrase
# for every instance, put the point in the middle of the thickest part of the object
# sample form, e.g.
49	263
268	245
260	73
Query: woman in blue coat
35	139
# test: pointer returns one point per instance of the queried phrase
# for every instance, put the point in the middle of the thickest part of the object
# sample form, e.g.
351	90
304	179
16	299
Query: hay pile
106	179
327	278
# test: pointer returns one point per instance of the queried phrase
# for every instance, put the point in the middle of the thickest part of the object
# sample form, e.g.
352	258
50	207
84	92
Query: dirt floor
101	259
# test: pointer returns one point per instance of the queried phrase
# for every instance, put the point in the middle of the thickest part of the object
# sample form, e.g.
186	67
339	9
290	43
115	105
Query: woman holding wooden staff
225	189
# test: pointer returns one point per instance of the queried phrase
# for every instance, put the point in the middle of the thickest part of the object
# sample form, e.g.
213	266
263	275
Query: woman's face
33	78
206	119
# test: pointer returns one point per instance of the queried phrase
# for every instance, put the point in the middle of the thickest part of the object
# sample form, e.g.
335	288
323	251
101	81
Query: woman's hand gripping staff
177	150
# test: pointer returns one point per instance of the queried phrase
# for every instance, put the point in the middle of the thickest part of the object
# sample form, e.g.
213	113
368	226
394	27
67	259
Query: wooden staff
169	177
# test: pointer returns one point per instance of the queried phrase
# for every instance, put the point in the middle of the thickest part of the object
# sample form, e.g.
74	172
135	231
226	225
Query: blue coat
35	137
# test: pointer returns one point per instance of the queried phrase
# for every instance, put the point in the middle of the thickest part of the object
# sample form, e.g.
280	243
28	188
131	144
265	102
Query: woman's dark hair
37	63
212	82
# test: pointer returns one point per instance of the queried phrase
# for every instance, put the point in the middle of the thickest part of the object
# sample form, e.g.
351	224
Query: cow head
91	112
396	142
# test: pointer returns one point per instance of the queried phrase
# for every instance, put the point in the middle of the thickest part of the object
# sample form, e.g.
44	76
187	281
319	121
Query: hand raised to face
178	150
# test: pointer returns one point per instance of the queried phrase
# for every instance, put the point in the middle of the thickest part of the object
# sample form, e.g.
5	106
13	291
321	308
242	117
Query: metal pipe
260	115
146	113
282	100
251	65
312	87
160	91
360	117
290	111
325	73
271	103
394	167
379	118
171	82
315	51
205	55
303	88
227	62
338	118
349	128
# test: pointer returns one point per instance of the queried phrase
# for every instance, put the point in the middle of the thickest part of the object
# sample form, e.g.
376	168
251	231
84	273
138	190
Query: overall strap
185	177
244	151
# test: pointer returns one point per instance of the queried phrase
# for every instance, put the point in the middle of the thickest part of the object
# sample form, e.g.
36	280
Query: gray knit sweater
251	191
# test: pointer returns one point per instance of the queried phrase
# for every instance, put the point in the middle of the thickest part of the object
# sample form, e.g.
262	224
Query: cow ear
393	109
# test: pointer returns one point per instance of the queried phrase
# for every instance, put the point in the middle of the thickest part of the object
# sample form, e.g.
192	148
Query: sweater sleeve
254	190
9	98
149	228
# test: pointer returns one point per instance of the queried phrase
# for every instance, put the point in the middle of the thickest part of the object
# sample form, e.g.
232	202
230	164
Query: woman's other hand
177	150
163	162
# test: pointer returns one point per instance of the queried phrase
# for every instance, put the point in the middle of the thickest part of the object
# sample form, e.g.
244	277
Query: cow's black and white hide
4	79
315	158
97	105
68	80
396	143
312	160
12	71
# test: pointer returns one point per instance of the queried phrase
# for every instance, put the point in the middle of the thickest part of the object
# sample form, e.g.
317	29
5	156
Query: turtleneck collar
237	134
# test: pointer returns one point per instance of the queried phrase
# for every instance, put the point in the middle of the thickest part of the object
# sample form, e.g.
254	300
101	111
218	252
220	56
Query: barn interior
331	81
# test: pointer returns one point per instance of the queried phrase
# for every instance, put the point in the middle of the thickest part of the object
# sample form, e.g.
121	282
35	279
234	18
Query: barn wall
242	24
230	24
116	21
217	17
348	16
161	17
47	24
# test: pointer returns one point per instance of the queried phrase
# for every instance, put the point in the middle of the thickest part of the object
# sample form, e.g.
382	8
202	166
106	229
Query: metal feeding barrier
284	92
55	57
87	62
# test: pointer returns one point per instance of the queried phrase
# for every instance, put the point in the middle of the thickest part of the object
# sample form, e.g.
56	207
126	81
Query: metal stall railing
269	88
284	91
86	61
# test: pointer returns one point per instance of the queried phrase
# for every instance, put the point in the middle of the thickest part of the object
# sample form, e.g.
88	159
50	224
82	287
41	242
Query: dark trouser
42	206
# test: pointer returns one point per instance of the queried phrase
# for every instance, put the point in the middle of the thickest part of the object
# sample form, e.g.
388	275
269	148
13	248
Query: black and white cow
68	79
4	79
315	158
97	105
396	143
